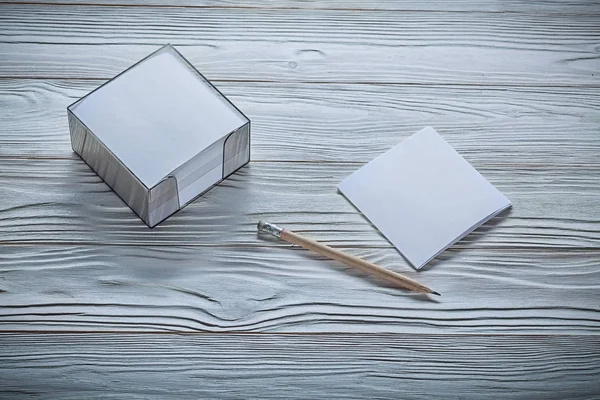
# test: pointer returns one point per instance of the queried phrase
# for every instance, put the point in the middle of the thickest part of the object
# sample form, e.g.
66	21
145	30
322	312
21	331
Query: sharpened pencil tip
436	293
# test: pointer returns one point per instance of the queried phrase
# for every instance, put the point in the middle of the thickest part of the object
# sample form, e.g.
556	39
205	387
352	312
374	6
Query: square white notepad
423	196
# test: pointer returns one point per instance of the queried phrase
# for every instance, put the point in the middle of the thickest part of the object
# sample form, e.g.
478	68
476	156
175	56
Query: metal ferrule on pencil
270	228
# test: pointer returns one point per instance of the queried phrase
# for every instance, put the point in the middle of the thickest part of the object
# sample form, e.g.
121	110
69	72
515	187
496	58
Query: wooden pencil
350	260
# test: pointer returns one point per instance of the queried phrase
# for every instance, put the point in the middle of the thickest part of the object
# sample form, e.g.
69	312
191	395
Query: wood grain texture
284	289
63	201
512	85
339	122
298	61
366	267
299	367
520	6
306	45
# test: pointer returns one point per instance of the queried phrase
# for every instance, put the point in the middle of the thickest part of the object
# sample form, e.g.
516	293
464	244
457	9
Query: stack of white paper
159	134
423	196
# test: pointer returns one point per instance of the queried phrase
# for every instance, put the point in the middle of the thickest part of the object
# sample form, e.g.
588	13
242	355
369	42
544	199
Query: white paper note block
423	196
159	134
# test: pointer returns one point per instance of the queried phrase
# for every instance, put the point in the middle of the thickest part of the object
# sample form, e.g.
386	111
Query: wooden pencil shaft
353	261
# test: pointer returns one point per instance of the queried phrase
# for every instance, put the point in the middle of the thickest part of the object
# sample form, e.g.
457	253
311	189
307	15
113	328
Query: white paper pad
423	196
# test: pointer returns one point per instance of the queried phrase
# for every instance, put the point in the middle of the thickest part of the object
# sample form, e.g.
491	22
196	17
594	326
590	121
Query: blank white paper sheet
423	196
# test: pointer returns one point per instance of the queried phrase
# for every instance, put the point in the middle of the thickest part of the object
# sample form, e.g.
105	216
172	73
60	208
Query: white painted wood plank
298	61
306	45
334	122
63	201
298	367
521	6
283	289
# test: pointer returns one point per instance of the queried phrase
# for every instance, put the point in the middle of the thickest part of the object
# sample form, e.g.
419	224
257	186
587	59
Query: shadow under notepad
473	237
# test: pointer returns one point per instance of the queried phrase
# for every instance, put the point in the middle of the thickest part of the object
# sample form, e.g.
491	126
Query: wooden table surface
95	304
